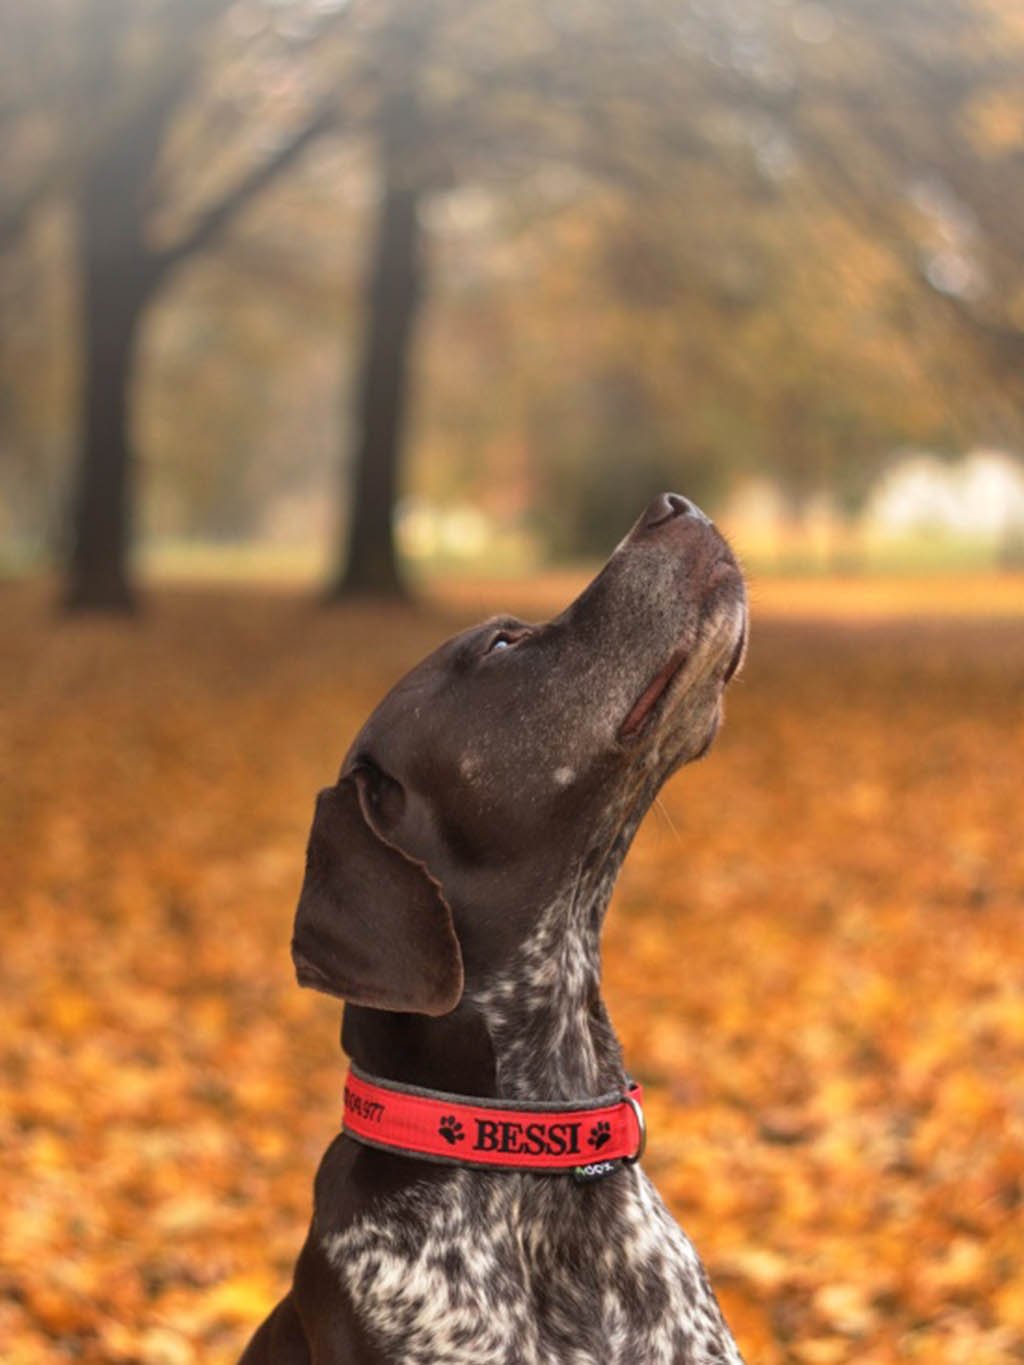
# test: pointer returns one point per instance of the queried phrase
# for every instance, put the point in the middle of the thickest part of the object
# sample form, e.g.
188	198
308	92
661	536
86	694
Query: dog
457	877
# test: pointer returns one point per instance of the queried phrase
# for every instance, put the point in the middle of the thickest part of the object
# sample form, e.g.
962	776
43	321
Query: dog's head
513	761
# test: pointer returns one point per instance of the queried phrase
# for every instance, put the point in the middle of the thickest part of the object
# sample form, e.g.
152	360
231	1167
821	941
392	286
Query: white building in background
980	497
429	531
923	513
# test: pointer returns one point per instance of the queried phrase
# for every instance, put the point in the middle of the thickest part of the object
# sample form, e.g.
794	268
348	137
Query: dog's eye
505	639
384	796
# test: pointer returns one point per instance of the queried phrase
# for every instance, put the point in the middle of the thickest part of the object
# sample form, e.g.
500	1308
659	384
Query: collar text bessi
589	1139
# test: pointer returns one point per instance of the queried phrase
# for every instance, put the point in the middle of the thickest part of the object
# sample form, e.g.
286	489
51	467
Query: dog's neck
543	1012
535	1028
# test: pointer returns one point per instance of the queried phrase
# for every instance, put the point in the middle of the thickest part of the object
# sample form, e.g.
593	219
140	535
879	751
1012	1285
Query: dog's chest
505	1269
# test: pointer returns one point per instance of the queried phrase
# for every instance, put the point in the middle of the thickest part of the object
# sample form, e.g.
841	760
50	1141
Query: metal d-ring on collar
641	1124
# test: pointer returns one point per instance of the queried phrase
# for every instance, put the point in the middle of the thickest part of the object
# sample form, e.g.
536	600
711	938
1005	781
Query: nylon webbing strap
525	1137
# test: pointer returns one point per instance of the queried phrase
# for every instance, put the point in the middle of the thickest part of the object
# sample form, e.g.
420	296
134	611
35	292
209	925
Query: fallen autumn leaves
813	961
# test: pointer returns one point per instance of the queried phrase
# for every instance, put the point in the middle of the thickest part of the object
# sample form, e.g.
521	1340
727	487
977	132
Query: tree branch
220	215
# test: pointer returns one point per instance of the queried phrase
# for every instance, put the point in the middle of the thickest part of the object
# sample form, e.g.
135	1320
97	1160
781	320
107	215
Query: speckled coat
457	879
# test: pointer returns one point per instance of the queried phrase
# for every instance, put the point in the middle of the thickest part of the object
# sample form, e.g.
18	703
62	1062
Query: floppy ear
372	925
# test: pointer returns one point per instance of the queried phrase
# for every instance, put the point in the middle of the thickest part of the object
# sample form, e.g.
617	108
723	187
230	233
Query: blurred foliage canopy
665	243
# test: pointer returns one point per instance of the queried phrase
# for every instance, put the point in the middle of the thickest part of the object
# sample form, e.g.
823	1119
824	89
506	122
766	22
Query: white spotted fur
505	1268
527	1292
508	1268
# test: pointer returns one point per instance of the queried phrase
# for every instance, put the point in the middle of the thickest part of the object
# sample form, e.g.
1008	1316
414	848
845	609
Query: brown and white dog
457	878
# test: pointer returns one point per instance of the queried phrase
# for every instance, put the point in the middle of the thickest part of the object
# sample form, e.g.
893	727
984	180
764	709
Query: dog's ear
372	925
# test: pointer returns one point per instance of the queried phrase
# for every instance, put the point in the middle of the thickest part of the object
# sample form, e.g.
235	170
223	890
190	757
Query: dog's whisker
663	811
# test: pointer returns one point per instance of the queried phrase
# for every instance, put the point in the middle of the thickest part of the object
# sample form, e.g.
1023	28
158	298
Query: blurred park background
327	326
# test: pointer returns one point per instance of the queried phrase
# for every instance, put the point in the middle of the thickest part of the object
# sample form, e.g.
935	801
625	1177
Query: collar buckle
641	1123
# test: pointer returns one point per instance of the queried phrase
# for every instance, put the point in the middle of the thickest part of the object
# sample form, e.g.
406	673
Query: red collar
589	1139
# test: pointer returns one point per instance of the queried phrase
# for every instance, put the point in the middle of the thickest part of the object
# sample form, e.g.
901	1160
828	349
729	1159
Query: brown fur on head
512	760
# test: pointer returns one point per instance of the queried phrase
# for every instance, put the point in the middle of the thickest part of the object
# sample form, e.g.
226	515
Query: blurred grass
813	962
910	577
849	598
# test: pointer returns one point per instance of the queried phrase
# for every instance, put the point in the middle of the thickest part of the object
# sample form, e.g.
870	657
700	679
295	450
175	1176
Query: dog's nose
668	506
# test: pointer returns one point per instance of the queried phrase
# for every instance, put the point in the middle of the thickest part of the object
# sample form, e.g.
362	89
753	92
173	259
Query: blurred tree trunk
103	496
118	279
121	276
118	275
396	280
116	188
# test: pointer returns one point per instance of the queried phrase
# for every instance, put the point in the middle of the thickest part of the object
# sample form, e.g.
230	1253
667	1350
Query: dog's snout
667	506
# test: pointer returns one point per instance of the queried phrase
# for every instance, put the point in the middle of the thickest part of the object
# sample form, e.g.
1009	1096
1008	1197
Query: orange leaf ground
814	960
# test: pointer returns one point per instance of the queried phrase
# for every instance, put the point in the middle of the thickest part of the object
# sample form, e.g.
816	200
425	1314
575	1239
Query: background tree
116	90
730	147
681	244
473	95
395	284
